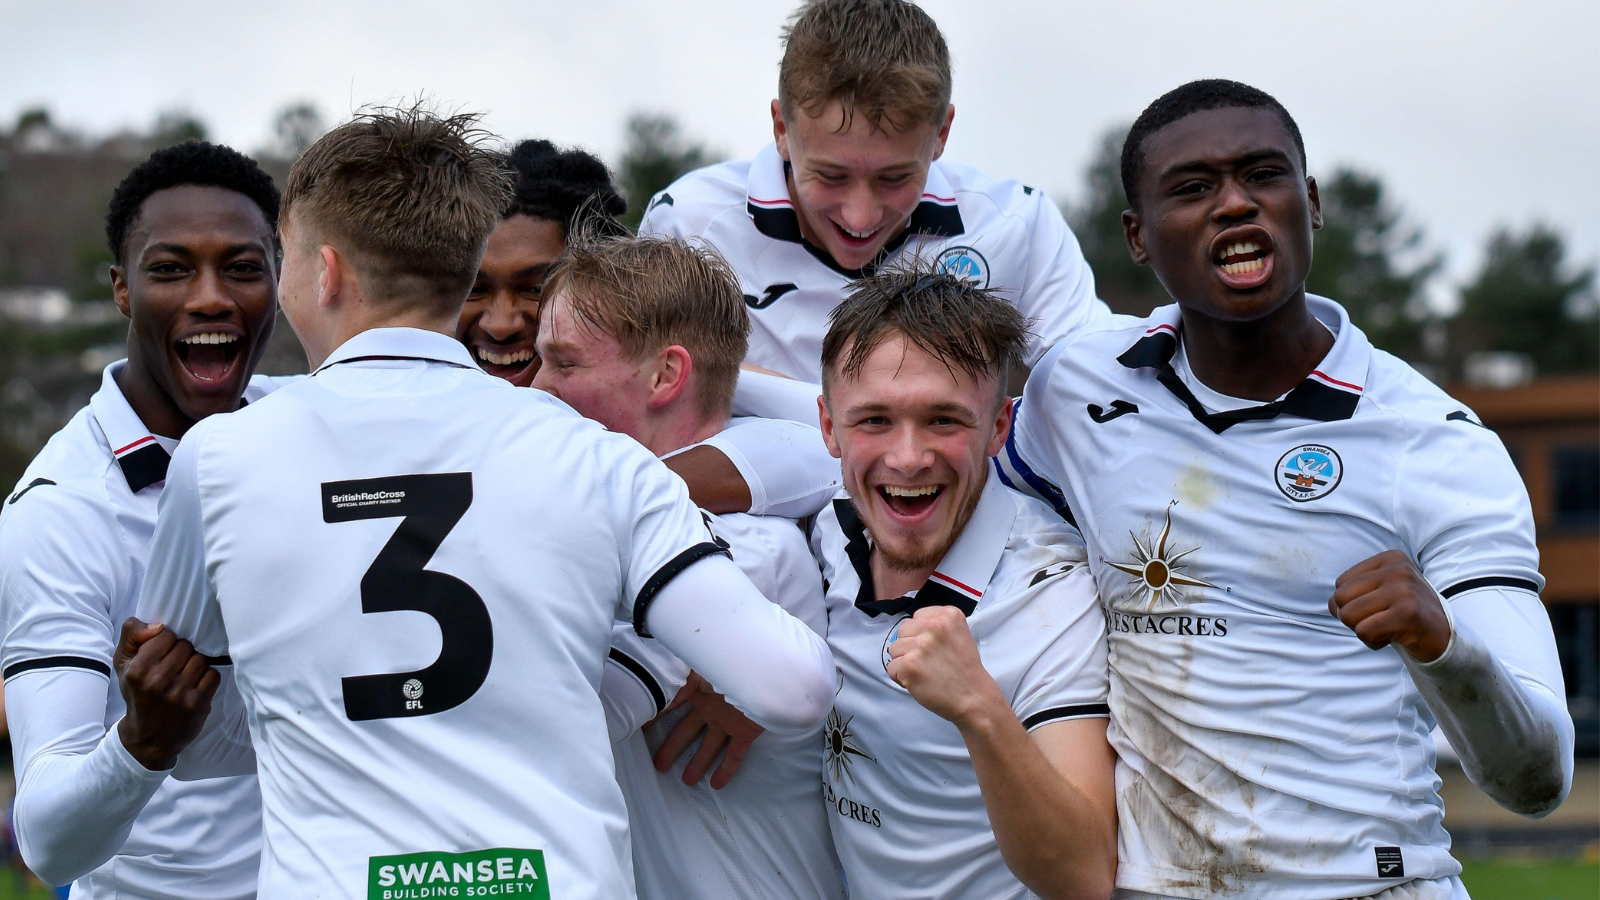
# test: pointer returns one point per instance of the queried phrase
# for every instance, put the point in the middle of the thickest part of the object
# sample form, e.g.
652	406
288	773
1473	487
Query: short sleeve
62	568
1058	293
177	587
661	531
659	220
786	465
1067	679
1031	460
649	664
1463	511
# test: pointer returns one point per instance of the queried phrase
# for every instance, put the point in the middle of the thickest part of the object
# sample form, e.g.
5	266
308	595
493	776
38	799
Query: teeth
1239	249
1244	268
856	234
210	337
924	491
504	359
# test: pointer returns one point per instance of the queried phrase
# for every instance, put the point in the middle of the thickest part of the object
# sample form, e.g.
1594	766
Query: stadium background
1462	203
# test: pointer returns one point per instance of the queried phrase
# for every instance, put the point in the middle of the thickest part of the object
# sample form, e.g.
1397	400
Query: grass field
1486	879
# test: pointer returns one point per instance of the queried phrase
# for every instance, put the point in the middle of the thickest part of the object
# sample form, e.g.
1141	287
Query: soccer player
554	191
645	335
854	178
191	230
760	467
966	753
414	567
1308	553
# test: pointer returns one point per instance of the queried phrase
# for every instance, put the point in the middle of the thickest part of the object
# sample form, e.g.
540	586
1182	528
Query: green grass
11	889
1513	878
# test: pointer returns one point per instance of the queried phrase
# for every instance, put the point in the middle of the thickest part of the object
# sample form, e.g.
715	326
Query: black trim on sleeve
637	670
1083	711
56	662
223	660
1472	584
666	573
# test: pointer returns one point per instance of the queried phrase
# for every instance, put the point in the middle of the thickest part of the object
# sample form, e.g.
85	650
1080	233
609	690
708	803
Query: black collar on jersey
1311	399
144	466
378	356
932	593
782	223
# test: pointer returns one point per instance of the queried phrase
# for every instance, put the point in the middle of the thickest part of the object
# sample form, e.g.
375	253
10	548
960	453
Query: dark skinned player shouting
1308	554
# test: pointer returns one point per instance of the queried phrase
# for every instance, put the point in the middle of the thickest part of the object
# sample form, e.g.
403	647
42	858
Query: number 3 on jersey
428	506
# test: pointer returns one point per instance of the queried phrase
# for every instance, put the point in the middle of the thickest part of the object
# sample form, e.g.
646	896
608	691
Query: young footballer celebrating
554	192
414	567
645	335
854	177
191	230
1308	553
966	753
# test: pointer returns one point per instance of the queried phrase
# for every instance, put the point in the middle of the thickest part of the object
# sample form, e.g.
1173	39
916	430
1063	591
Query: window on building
1575	475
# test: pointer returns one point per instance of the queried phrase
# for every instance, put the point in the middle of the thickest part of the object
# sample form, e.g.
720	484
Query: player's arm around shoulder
1042	759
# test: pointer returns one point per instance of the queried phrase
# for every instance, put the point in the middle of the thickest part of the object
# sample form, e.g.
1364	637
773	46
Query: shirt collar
1330	393
962	576
772	211
400	343
140	456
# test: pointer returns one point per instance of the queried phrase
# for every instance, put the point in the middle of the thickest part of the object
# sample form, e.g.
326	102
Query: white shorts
1449	888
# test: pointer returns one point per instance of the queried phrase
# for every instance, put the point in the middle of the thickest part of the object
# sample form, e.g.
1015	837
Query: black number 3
430	505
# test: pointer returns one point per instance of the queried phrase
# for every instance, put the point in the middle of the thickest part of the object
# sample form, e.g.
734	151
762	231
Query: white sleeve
786	465
658	220
1057	293
776	397
177	590
79	790
768	664
1030	460
1497	693
639	679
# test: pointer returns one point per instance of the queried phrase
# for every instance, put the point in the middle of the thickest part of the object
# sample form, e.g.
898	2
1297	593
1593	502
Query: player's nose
502	320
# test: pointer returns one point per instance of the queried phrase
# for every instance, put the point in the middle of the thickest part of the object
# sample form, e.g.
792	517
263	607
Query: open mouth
515	364
210	356
910	502
855	238
1244	263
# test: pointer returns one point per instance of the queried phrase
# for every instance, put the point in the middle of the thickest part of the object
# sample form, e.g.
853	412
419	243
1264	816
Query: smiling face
855	189
1225	213
500	323
914	441
199	284
589	370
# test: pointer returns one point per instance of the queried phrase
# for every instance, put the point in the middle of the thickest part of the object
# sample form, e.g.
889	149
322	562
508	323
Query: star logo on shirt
841	745
1156	570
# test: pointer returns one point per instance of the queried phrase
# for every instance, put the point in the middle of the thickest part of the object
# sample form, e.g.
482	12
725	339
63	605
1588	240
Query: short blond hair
650	293
884	59
411	196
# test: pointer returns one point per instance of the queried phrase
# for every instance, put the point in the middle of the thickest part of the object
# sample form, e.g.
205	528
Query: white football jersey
907	815
74	537
765	835
415	567
1263	750
1001	234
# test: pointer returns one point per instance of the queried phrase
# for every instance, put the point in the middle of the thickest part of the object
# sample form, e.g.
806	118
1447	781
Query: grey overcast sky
1476	112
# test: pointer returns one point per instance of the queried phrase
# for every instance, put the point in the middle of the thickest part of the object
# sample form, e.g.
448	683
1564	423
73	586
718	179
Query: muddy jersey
1000	234
904	805
1264	751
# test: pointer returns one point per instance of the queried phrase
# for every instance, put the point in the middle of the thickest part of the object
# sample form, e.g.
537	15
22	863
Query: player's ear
825	418
119	291
944	131
330	279
672	367
780	131
1002	426
1133	233
1316	203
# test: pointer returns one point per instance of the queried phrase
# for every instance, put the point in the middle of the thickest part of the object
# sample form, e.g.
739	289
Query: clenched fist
1385	600
935	658
167	687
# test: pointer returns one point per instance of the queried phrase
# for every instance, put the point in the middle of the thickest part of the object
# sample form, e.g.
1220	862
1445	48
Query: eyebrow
936	408
185	250
1199	165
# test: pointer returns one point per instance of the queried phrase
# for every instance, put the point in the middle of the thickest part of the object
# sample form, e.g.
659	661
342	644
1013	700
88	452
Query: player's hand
935	657
167	687
722	726
1385	600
